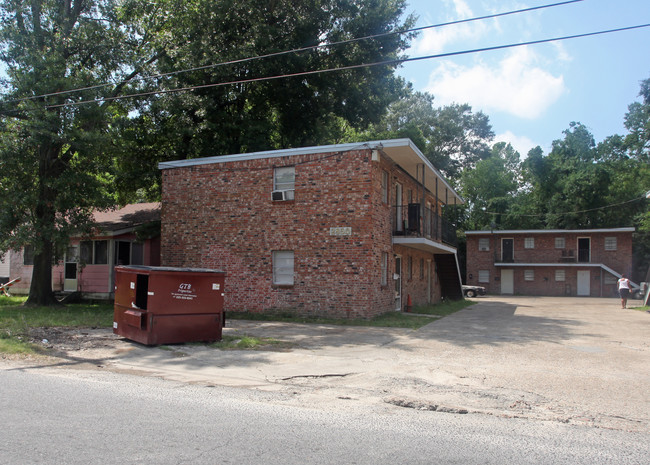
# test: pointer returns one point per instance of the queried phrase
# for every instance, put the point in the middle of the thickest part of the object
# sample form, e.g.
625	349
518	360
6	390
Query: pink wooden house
88	263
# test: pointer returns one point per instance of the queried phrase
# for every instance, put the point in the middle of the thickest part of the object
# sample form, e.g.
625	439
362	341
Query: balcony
413	223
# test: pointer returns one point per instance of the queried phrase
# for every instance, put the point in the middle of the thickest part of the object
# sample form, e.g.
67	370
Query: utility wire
300	50
394	62
537	215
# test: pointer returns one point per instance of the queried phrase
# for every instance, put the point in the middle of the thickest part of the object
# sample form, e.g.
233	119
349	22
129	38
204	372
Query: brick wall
543	280
221	216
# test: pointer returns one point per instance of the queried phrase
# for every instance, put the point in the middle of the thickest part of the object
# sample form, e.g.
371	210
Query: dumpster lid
166	268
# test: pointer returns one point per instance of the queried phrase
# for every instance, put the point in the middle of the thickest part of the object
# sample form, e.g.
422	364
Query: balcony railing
409	220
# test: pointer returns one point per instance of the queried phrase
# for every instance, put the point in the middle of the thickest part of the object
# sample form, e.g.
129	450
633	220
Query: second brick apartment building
554	262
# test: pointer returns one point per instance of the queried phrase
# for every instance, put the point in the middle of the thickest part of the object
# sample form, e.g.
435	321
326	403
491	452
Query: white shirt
623	283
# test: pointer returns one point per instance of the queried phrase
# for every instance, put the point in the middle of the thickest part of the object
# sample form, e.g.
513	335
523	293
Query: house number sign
342	231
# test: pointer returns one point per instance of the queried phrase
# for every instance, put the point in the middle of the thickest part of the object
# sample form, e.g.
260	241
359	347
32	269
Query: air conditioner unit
282	195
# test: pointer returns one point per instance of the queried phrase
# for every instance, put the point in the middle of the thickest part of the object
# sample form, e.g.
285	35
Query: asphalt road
63	416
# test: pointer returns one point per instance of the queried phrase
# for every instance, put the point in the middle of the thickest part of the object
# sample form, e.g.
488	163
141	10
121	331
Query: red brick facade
549	262
221	215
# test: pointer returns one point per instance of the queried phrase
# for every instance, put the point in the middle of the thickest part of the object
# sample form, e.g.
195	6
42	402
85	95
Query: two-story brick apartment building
341	230
583	262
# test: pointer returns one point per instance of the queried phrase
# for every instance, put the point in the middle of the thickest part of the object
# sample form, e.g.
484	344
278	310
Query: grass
239	342
419	317
16	321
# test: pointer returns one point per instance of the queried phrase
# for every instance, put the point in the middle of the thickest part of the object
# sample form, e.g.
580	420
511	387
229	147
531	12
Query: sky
532	93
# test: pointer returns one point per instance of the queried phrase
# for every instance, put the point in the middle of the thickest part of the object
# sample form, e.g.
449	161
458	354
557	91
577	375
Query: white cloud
515	85
434	41
521	144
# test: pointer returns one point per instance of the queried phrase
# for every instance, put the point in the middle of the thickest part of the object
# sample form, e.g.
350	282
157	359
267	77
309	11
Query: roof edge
548	231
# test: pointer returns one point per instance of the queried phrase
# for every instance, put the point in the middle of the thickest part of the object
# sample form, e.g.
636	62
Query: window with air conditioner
484	244
284	183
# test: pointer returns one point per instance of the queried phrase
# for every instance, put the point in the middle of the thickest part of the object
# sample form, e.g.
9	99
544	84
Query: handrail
411	220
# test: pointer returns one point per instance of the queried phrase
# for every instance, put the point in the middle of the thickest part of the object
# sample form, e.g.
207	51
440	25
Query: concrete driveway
572	360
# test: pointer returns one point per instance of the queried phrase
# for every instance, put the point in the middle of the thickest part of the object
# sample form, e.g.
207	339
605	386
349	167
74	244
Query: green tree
491	187
53	149
452	137
215	39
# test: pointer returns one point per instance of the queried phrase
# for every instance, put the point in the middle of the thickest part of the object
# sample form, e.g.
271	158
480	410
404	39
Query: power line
393	62
538	215
302	49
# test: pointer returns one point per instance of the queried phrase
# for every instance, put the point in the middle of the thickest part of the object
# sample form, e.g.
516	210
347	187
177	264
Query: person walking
624	290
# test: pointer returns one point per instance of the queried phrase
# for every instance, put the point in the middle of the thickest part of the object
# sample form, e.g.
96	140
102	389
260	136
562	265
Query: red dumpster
165	305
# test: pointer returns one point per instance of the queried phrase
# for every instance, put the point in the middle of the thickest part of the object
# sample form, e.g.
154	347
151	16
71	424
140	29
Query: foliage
578	185
65	154
218	40
452	137
55	146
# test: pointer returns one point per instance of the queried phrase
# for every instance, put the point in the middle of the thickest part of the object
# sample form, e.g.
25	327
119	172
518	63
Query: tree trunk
40	290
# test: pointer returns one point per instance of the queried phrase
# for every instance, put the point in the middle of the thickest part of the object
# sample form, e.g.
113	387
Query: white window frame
484	244
283	267
611	243
529	243
284	180
529	275
384	186
483	276
384	268
560	243
560	275
94	256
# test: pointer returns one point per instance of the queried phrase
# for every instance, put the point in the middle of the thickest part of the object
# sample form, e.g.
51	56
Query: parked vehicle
473	291
639	292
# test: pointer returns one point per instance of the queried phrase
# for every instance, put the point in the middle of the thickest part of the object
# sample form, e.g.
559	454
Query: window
422	268
529	275
94	252
128	253
610	243
101	253
384	186
137	253
384	268
560	275
483	276
610	279
283	268
529	243
484	244
559	243
410	267
284	183
28	255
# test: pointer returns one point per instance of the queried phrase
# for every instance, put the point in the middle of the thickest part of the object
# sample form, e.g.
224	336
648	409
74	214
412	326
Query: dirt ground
578	361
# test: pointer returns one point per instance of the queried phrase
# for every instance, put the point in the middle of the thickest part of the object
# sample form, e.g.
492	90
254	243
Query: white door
429	278
584	282
507	282
398	283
